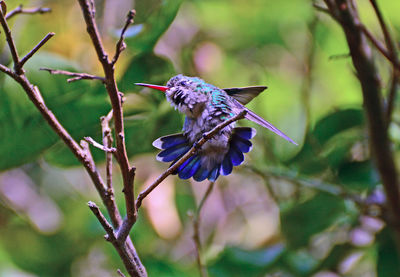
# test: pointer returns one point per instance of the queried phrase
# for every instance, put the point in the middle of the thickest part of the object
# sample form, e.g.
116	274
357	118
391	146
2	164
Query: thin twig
35	49
21	10
185	157
103	221
391	46
77	76
100	146
196	231
10	41
120	273
121	44
107	141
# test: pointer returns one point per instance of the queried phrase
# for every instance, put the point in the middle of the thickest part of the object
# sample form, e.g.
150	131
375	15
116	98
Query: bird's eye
183	83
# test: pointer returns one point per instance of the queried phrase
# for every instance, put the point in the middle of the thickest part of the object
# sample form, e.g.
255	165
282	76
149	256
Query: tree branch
128	172
35	49
121	44
20	10
77	76
360	51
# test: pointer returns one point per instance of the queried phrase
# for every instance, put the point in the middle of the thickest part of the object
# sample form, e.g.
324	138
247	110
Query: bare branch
35	49
127	171
121	44
196	231
98	145
347	17
21	10
77	76
10	40
107	141
103	221
185	157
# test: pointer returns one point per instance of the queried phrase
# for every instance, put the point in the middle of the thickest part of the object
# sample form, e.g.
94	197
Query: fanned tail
175	146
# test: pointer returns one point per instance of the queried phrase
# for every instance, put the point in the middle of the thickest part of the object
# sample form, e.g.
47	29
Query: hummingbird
205	106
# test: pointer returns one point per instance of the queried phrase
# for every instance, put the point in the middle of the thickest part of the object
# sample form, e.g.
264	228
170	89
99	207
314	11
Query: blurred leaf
146	68
300	263
155	17
238	262
303	220
335	256
359	175
328	144
388	261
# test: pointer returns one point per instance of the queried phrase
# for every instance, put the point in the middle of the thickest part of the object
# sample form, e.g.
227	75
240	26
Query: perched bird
206	106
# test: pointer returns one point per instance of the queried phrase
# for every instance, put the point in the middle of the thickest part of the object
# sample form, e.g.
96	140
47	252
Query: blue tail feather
242	144
227	166
190	169
173	153
169	141
201	174
245	132
175	146
214	173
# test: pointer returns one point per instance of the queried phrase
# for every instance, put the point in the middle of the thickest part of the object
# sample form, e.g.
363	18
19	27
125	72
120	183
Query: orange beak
161	88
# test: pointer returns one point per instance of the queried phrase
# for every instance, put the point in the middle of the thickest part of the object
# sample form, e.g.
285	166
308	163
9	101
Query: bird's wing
246	94
252	116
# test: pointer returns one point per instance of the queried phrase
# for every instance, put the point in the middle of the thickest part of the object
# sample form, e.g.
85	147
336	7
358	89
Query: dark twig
100	146
10	41
391	46
378	45
125	255
103	221
77	76
347	17
185	157
121	44
21	10
196	231
35	49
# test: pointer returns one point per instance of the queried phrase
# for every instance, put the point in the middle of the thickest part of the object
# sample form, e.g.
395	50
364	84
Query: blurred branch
346	14
315	184
206	136
196	231
120	273
121	44
21	10
77	76
391	46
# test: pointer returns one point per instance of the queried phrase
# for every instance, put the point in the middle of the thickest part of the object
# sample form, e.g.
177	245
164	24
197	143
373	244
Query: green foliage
313	215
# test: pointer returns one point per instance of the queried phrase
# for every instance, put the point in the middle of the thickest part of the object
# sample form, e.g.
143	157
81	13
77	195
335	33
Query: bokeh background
307	210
